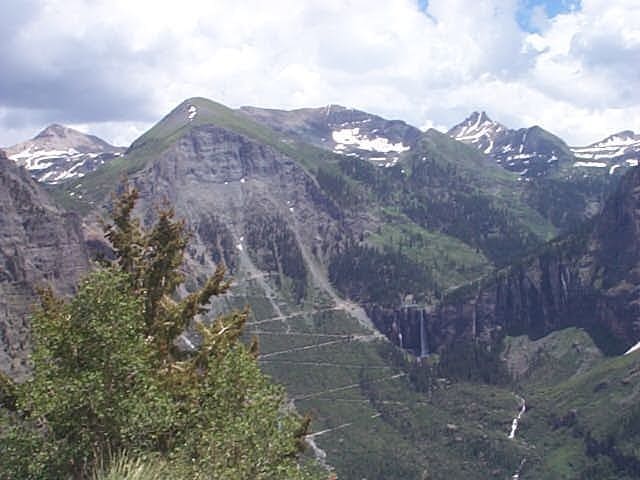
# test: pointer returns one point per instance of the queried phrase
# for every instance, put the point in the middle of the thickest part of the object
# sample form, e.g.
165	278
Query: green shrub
109	377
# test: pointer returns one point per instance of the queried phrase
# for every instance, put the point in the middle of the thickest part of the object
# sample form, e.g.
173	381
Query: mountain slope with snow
343	130
530	152
535	152
59	153
480	131
616	152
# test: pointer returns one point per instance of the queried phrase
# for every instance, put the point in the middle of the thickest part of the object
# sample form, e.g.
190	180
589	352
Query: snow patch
192	111
633	349
352	136
34	158
507	148
590	164
521	156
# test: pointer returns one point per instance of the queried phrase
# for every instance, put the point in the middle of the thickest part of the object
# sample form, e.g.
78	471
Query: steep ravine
590	280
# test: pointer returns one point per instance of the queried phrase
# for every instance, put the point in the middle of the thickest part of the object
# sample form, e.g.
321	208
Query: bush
108	376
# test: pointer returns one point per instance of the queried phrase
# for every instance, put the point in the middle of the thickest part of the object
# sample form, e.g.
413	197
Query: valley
441	306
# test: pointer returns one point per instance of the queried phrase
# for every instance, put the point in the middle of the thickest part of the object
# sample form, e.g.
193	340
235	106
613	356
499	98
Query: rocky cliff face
243	200
39	245
591	280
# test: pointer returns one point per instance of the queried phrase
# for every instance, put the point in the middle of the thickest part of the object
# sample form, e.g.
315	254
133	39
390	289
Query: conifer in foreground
108	376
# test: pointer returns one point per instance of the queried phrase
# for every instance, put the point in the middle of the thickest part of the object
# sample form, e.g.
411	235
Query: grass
377	425
573	394
485	175
450	261
127	467
384	427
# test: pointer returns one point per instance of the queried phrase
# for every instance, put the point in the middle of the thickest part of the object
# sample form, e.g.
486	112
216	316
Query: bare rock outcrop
40	244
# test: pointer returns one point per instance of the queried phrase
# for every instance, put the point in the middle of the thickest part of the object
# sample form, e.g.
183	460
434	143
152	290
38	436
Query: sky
115	67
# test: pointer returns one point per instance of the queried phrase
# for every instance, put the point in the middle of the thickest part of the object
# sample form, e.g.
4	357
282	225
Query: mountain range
534	152
417	292
59	153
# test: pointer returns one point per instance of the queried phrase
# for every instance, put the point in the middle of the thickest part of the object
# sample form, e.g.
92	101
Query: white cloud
116	66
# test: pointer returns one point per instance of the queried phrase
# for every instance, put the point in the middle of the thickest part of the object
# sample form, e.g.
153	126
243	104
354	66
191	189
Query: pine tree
108	376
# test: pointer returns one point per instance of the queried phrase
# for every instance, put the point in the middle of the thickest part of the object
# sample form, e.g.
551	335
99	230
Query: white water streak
514	423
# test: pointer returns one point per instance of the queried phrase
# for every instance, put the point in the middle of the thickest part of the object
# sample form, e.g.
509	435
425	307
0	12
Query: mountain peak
623	138
479	130
59	152
478	117
55	130
476	122
625	134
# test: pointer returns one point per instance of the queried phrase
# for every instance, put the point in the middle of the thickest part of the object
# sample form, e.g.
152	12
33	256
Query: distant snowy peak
626	137
621	139
478	130
616	152
59	153
530	152
535	152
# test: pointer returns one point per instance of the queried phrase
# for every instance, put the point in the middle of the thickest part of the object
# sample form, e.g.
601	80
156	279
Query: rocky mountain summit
40	244
480	131
530	152
535	152
59	153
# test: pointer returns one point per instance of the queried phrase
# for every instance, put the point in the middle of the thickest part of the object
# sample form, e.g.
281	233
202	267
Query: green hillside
442	216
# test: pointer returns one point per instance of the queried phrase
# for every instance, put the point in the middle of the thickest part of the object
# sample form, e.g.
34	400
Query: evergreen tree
108	377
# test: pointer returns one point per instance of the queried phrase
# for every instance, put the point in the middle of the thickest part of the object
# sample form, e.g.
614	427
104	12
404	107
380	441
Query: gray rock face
230	190
59	153
39	245
590	280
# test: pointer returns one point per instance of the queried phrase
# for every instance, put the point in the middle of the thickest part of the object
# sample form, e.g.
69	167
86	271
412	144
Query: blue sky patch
528	9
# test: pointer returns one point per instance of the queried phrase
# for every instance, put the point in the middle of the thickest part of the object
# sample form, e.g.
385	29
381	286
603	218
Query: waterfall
400	339
516	476
424	348
514	423
512	433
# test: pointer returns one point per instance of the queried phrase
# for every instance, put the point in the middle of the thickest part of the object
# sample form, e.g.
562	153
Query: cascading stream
514	423
424	348
514	429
